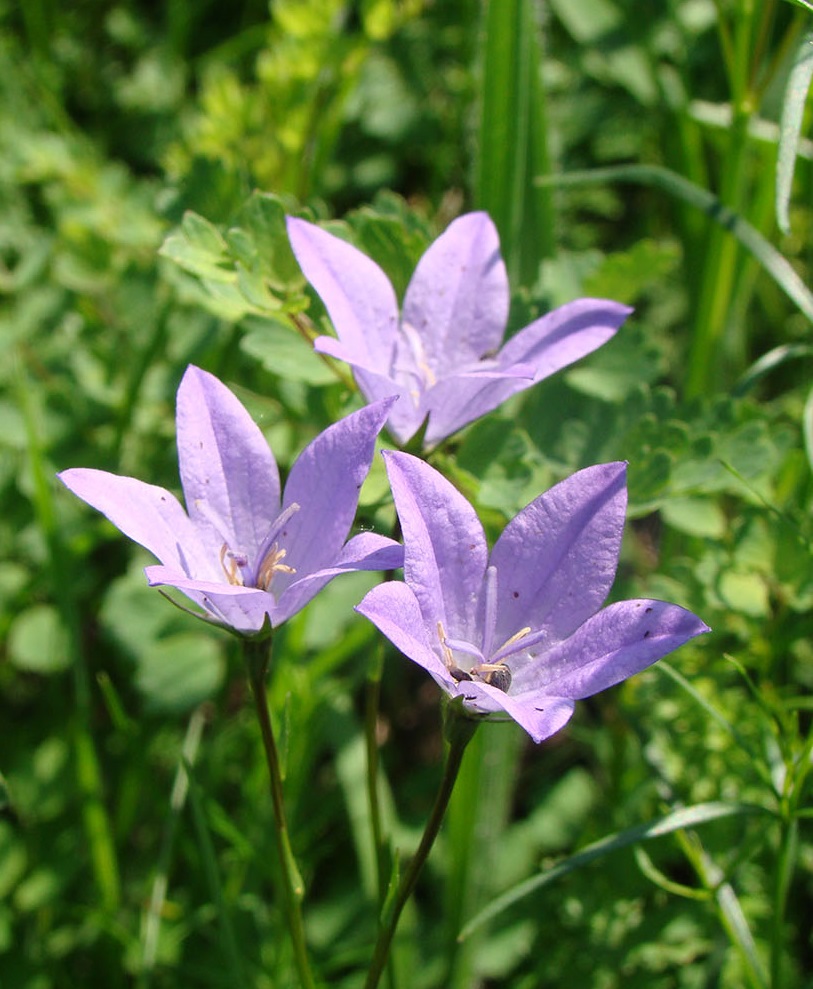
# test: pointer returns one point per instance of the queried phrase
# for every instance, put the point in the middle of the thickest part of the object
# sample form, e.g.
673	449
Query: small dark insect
458	674
494	674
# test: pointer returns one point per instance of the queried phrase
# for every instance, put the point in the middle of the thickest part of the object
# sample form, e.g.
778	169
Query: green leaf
38	641
685	817
199	248
280	350
177	673
695	516
262	222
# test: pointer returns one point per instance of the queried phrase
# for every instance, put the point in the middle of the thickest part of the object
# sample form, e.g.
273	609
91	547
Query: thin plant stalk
371	706
257	655
460	730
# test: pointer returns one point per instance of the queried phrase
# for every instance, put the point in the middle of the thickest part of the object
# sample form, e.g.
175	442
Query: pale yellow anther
272	565
232	571
448	659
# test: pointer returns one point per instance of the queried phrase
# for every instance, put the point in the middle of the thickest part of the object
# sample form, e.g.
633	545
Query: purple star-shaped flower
522	629
443	356
246	556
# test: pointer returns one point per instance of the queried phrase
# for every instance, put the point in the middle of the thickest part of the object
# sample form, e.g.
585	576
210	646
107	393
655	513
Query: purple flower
443	356
520	630
247	557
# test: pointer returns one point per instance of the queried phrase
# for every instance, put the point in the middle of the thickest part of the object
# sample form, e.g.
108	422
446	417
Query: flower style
443	357
521	630
246	557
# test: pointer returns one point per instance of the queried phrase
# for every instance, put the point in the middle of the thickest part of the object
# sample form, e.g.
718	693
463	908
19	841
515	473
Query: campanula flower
521	630
444	355
247	555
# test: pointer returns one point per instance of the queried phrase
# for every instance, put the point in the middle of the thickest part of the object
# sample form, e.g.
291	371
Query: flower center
413	339
237	566
496	674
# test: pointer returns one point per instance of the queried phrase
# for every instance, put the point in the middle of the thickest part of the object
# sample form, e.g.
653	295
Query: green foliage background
148	156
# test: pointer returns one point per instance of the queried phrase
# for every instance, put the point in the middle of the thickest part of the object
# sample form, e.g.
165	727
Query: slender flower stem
257	655
373	695
459	737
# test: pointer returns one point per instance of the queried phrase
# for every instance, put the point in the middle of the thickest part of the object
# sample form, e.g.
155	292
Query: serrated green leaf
262	222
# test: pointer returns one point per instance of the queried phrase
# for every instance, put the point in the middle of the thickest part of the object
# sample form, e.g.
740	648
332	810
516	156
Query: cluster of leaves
119	120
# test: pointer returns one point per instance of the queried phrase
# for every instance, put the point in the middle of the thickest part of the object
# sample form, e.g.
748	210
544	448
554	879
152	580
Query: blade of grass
211	869
478	813
60	567
721	720
513	138
180	789
676	185
677	820
729	909
791	127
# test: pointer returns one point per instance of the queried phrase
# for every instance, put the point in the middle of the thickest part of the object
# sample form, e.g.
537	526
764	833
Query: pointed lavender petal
541	716
404	419
244	609
145	513
564	335
457	300
357	294
620	640
459	399
325	482
228	472
444	545
366	551
557	559
395	611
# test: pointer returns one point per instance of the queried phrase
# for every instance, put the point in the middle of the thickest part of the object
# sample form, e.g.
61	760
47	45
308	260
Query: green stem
462	730
789	839
257	655
371	706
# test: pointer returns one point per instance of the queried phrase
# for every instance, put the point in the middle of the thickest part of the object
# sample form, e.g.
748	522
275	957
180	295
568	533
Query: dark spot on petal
647	610
540	709
647	634
516	594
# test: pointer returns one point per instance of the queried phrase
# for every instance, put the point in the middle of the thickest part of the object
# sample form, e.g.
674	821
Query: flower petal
541	716
457	400
622	639
564	335
147	514
396	612
366	551
228	472
445	547
325	482
458	298
244	609
357	294
557	559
